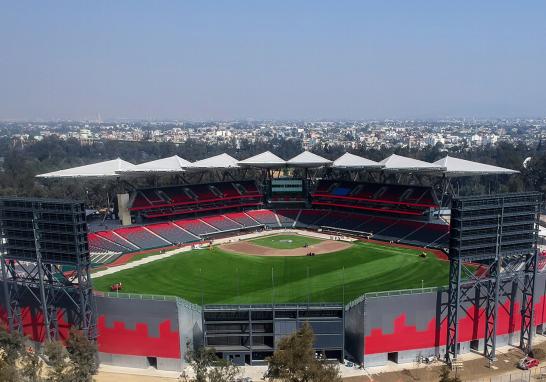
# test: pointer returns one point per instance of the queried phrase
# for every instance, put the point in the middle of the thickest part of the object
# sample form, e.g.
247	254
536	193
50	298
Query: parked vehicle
527	363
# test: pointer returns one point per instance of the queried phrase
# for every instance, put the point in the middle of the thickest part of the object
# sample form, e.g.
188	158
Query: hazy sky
202	60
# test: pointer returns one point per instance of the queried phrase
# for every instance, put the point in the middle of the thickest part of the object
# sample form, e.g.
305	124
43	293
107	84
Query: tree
75	363
83	355
207	367
57	361
8	373
31	366
295	360
12	345
223	371
17	362
20	362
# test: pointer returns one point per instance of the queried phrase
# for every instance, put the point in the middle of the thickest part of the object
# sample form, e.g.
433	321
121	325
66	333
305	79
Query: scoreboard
286	186
55	228
494	225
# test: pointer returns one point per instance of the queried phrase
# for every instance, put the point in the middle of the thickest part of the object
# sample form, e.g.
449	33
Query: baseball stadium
385	260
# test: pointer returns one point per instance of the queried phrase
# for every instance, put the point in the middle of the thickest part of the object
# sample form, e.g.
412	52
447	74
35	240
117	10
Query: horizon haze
300	60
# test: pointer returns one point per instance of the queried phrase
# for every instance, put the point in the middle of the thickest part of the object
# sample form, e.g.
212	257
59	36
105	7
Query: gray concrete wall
354	333
415	324
190	323
130	330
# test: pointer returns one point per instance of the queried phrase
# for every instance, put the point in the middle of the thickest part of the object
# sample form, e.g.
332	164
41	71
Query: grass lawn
285	241
214	276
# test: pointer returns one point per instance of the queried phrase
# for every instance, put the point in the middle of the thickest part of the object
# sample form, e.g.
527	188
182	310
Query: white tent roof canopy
448	166
164	165
218	161
398	163
308	160
264	160
106	169
350	161
462	167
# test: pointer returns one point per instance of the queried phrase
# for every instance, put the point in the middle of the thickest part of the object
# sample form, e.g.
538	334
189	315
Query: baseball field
220	275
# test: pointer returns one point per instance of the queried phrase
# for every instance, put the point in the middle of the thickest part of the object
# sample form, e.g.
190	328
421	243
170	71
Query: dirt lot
473	370
246	248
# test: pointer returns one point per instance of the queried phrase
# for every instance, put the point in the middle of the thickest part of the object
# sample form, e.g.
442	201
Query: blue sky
204	60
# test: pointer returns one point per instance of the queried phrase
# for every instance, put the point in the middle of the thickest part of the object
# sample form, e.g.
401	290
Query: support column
454	296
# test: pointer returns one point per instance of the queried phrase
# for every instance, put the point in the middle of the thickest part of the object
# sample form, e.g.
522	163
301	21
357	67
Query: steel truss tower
46	263
493	256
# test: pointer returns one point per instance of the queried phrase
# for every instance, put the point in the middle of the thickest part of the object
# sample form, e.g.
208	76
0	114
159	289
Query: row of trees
76	361
22	163
294	360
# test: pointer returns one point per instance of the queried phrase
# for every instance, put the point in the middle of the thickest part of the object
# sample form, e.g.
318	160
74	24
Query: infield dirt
247	248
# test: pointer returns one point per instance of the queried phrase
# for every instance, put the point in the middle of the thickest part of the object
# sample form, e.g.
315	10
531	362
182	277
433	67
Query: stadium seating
374	197
243	219
399	228
140	201
265	217
247	187
98	243
287	217
172	233
227	190
541	261
177	195
221	223
378	224
141	237
345	220
179	200
309	218
111	236
197	227
203	192
430	234
101	258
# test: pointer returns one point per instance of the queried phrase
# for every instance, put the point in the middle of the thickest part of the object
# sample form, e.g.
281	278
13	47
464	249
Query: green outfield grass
214	276
285	241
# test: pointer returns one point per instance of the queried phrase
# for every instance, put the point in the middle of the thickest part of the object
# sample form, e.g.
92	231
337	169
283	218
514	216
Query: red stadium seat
388	198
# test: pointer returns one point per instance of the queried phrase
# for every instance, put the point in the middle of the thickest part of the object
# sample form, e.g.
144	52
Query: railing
534	374
400	292
300	306
154	297
403	292
136	296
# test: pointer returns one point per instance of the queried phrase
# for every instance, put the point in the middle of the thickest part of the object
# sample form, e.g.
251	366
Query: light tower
46	263
493	246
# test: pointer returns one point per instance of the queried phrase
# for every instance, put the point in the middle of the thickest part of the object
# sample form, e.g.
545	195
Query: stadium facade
143	331
351	196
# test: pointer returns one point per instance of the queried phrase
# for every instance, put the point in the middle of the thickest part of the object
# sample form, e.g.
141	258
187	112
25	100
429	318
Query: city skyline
269	61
